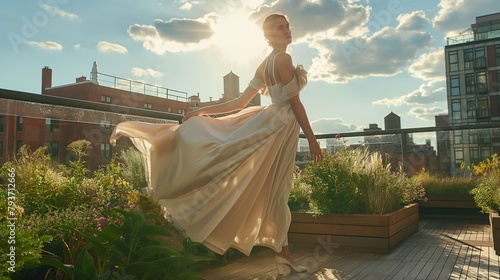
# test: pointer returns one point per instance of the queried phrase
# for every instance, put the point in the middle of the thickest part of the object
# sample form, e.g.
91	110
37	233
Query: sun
239	39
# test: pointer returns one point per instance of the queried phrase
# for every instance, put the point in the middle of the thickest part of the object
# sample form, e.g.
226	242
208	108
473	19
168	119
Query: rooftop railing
140	87
436	148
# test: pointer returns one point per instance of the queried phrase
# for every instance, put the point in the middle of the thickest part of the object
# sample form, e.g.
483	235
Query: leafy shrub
127	249
487	192
357	181
445	185
330	184
133	167
50	197
299	194
27	244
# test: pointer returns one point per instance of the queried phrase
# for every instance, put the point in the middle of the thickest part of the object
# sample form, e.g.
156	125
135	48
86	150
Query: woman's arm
301	116
286	72
226	107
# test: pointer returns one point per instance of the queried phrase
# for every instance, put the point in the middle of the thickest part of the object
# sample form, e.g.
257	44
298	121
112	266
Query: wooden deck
441	249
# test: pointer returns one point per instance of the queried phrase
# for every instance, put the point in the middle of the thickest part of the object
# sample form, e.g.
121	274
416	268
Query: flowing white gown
225	181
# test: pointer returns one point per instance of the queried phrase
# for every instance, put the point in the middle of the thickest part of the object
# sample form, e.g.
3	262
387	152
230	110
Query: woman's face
280	33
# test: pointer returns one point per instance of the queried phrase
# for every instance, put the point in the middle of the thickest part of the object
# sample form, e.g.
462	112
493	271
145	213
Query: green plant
299	194
357	181
127	250
20	248
330	185
445	185
133	167
487	192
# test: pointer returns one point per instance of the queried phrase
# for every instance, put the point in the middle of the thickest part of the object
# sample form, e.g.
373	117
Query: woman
226	181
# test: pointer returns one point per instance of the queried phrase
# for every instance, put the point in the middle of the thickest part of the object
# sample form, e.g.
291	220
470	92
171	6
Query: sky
364	58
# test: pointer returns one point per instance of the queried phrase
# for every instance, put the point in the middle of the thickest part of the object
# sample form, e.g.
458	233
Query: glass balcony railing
38	120
442	150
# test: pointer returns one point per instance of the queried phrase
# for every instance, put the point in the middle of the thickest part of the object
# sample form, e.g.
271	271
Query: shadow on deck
441	249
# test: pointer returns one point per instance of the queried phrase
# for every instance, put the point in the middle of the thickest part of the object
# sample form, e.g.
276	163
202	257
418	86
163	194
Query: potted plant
448	198
356	201
487	194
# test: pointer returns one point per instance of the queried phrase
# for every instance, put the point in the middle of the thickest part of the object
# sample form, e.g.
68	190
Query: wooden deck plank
493	264
440	261
441	249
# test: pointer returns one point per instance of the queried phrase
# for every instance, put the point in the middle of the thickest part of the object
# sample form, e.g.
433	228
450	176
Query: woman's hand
316	153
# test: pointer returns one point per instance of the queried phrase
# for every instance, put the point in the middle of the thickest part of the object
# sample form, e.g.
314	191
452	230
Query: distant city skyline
365	58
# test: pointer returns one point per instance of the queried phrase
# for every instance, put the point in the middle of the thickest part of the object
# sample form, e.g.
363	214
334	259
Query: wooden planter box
450	206
357	232
495	230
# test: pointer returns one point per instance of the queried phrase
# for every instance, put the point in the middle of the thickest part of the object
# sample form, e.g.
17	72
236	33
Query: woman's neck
277	49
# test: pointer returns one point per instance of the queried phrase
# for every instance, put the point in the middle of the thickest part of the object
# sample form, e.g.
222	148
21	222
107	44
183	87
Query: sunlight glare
239	39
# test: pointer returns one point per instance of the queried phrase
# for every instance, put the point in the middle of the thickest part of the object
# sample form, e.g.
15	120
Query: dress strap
271	77
274	59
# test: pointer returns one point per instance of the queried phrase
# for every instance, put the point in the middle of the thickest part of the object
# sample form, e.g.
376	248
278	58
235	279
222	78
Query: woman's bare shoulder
284	59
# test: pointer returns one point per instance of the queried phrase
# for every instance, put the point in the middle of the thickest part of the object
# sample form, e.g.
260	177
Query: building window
2	122
497	55
453	61
105	150
472	136
470	84
106	126
1	149
19	144
496	86
455	110
105	99
169	109
483	136
454	86
458	136
480	58
51	125
468	59
459	157
481	82
485	153
20	123
482	108
52	148
148	106
474	155
471	108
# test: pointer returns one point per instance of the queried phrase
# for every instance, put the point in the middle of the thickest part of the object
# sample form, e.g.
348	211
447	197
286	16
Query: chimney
46	78
81	79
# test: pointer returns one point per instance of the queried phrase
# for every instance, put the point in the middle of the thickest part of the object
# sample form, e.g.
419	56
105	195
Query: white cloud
321	18
455	16
427	114
55	11
139	72
332	125
175	35
384	53
104	46
429	66
430	93
416	20
47	45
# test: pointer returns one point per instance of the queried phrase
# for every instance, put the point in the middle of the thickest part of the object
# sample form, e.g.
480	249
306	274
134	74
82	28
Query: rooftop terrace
442	249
